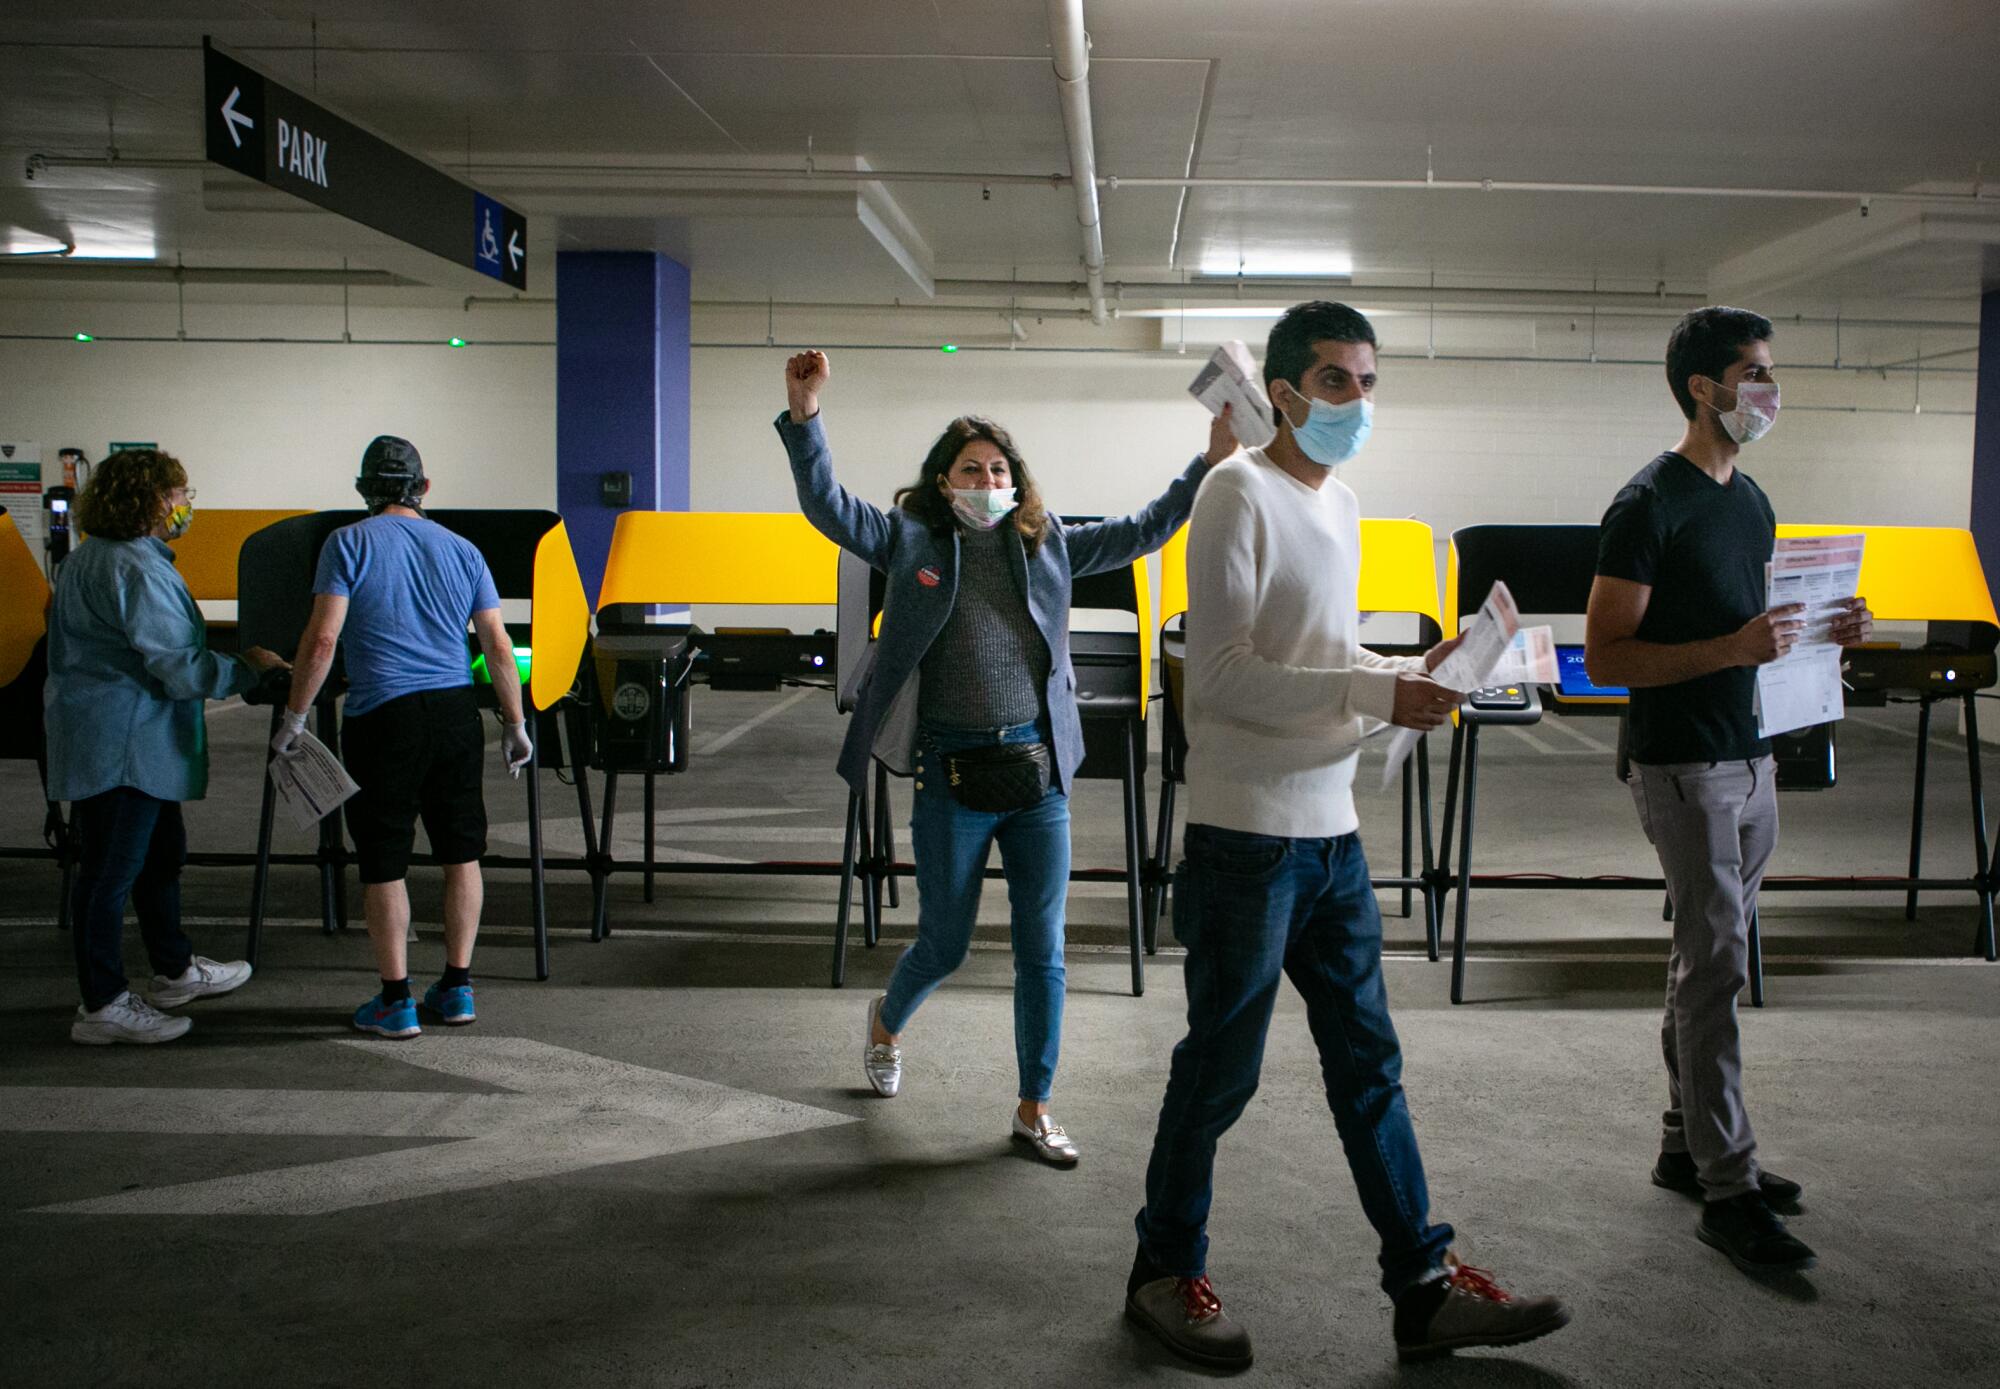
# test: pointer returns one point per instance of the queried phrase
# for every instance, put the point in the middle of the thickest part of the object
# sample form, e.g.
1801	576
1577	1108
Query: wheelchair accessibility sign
500	241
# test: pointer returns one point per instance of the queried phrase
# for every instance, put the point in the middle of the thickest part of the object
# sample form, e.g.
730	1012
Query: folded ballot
1230	378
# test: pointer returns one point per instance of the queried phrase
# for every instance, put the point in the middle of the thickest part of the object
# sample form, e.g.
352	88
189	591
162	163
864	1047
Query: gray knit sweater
989	666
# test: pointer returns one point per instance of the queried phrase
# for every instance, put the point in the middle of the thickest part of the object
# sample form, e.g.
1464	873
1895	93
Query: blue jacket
129	668
914	611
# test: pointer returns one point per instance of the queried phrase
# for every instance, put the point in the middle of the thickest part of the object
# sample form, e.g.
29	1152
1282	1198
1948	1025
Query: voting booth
1398	579
640	677
209	559
24	672
530	558
1908	574
1113	679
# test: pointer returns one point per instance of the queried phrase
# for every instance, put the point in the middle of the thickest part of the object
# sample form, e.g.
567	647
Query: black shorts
420	755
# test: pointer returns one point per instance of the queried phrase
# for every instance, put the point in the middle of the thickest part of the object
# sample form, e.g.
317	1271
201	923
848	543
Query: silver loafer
1048	1140
882	1062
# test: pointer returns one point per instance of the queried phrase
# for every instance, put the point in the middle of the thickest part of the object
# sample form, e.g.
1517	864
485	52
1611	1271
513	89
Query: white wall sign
21	489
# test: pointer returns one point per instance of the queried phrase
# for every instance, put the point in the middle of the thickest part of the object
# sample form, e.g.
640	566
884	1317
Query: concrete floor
660	1167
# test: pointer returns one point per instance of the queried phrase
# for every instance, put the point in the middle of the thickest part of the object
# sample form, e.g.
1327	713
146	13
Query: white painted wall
282	424
273	424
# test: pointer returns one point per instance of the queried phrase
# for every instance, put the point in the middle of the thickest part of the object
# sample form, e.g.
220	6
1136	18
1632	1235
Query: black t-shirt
1701	546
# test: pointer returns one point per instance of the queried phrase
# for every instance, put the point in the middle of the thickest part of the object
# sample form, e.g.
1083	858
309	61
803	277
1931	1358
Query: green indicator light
523	666
949	347
456	342
85	337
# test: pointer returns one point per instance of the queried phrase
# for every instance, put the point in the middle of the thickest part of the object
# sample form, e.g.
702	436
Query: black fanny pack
999	778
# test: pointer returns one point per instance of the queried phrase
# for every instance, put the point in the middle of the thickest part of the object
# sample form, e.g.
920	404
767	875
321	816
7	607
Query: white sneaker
203	978
1048	1140
882	1062
126	1018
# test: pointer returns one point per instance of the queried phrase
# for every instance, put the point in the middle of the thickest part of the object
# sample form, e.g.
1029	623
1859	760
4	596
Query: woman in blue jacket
972	693
129	669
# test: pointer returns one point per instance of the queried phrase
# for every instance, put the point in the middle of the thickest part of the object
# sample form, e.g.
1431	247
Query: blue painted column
622	324
1986	440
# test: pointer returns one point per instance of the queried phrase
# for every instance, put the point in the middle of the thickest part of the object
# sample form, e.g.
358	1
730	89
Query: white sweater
1279	691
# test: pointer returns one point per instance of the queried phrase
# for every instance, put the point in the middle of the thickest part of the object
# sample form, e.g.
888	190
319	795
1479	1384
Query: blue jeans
1249	907
131	847
950	845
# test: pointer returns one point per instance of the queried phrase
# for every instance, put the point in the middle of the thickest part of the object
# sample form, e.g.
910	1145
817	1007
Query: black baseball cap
389	459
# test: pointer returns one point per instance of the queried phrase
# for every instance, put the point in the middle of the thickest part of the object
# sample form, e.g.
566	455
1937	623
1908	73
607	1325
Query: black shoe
1466	1308
1676	1172
1747	1230
1186	1316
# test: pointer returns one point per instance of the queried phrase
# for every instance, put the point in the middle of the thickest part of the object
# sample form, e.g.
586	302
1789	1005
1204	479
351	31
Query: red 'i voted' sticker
929	576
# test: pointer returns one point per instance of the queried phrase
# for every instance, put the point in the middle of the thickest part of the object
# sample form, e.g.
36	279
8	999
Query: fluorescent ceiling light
1277	263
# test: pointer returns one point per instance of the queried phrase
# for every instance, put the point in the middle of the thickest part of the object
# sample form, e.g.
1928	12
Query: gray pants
1714	825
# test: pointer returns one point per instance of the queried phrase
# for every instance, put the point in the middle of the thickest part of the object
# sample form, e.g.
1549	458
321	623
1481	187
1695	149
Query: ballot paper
1530	659
1470	667
310	781
1802	688
1230	378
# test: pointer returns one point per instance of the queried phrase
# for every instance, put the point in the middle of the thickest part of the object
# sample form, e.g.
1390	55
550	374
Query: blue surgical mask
982	508
1332	434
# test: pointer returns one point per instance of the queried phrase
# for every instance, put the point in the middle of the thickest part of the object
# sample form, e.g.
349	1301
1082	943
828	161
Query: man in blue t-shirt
402	589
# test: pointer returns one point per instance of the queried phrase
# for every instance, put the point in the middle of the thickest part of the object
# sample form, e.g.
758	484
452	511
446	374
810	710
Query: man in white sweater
1273	881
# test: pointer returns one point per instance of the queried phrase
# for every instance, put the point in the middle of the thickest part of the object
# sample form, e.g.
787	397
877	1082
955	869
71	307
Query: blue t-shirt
411	587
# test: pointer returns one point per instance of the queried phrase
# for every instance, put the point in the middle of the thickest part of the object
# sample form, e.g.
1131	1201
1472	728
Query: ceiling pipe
502	170
158	272
1069	47
1262	288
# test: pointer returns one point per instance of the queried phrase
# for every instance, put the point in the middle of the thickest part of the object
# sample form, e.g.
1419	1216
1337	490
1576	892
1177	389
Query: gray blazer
922	569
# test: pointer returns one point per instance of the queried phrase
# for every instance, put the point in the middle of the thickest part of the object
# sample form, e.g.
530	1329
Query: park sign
259	127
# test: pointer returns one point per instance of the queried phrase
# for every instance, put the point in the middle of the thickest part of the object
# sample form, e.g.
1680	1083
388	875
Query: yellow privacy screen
24	601
718	557
1398	570
1917	573
561	620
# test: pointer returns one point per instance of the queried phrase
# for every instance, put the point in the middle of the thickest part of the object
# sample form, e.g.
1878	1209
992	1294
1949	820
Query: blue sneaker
397	1020
453	1006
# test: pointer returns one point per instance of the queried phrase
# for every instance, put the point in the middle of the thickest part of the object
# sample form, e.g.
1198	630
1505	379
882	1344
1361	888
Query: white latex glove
290	726
515	747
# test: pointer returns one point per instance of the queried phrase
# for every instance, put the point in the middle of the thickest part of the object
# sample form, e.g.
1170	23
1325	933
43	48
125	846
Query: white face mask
982	508
1755	411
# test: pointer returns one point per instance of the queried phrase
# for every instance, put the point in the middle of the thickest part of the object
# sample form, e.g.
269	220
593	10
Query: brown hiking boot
1467	1308
1187	1317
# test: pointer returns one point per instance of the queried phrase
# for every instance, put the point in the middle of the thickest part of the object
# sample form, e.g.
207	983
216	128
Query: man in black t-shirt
1677	614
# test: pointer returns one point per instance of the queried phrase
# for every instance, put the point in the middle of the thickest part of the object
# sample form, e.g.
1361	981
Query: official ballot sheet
1488	639
1802	688
1230	378
310	781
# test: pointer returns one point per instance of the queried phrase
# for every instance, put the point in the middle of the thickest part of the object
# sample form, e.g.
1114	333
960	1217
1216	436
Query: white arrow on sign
231	117
514	252
564	1111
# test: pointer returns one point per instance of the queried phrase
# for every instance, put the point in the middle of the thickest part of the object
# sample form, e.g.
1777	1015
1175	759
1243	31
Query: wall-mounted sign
259	127
21	489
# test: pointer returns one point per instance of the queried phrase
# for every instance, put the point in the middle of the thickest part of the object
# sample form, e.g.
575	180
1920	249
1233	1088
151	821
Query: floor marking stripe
723	740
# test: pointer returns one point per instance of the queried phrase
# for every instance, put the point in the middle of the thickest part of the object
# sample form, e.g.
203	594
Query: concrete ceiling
533	101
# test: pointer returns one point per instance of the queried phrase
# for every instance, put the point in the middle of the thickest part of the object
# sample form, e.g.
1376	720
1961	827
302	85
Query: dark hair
127	493
923	500
379	495
1707	343
1288	352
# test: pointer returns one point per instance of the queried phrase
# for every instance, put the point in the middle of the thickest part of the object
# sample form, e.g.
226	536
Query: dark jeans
1249	907
130	846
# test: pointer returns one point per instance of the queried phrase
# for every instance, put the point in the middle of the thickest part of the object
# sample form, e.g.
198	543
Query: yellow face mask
179	519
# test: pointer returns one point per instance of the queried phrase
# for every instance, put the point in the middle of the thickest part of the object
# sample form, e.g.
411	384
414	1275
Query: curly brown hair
923	500
126	496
